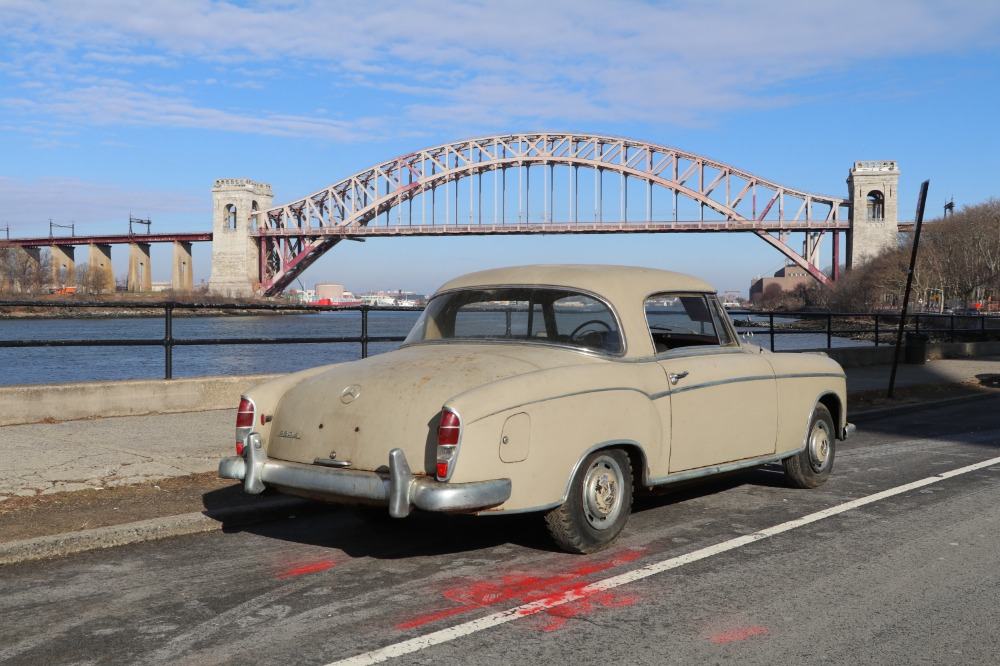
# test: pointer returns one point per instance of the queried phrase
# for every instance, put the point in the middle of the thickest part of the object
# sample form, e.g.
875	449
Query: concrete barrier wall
82	400
66	402
855	357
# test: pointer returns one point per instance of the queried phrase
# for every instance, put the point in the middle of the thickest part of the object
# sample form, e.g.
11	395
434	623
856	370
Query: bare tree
89	280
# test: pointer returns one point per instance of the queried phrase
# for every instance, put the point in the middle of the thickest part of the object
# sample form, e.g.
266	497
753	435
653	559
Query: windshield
542	315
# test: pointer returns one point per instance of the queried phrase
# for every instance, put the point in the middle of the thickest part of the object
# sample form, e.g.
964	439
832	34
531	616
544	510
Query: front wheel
811	468
598	506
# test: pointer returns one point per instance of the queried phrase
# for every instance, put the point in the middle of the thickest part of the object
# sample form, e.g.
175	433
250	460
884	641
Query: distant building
784	281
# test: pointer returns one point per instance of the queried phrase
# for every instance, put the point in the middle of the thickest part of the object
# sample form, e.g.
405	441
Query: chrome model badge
350	394
289	434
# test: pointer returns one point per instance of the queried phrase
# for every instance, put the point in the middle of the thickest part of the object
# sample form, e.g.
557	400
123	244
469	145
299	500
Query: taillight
244	423
449	436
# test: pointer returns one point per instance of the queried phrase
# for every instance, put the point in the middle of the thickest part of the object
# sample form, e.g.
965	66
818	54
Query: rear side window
686	320
541	315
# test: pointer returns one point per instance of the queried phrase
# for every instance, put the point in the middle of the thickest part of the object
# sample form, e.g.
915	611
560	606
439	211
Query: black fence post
876	329
770	321
364	330
168	339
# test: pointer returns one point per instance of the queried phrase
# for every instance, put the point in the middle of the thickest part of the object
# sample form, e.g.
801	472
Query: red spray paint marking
313	567
738	634
530	589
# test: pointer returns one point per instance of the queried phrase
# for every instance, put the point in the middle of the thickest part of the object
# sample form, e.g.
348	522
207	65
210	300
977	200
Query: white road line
558	599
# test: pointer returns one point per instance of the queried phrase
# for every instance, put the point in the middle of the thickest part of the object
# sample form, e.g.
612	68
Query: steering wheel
599	322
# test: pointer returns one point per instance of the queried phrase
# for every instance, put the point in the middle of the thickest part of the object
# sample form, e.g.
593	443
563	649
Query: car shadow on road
371	532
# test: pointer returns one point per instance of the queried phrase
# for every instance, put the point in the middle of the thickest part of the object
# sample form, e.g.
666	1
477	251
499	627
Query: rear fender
561	429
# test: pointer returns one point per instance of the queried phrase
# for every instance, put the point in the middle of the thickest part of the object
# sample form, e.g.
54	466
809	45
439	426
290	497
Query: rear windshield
541	315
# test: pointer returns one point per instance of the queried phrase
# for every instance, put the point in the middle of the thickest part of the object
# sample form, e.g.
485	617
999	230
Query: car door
722	403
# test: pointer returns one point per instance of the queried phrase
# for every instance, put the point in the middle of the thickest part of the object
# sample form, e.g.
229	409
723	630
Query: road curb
60	545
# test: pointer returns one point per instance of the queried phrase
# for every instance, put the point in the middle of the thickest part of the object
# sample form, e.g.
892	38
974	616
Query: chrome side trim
806	375
670	478
720	382
722	469
400	489
573	394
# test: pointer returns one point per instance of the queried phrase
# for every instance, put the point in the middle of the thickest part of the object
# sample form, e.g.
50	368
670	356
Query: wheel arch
837	409
637	461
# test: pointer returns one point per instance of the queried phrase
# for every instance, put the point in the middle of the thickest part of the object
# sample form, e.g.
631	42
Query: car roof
625	288
616	283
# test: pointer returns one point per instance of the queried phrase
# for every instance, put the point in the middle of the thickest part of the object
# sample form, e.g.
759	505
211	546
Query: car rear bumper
399	489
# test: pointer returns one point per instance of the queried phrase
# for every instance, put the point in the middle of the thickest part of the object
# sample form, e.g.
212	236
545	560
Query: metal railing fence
881	327
168	341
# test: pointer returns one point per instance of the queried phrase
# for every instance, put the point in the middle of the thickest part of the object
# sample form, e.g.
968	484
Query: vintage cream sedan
552	389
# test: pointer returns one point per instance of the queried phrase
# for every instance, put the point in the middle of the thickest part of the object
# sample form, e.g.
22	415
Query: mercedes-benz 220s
554	389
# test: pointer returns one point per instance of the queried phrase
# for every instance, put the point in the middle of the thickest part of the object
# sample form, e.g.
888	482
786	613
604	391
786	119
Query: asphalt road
742	571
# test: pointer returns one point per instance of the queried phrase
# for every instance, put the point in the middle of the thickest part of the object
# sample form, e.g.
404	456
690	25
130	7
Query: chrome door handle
677	376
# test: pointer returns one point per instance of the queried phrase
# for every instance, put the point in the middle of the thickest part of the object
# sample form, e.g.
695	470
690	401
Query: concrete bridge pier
63	266
99	265
182	278
139	267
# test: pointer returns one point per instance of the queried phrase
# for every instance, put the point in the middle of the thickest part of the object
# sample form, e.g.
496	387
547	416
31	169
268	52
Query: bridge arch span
702	195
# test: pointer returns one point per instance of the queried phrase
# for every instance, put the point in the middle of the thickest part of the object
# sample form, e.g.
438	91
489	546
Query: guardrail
168	341
882	329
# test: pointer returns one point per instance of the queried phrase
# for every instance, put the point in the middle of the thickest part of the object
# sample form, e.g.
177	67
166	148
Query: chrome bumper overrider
849	430
400	489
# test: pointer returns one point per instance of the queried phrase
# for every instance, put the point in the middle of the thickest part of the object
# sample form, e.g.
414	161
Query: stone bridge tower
235	253
874	223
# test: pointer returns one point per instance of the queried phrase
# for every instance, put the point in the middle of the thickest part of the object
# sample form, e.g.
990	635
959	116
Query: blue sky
113	107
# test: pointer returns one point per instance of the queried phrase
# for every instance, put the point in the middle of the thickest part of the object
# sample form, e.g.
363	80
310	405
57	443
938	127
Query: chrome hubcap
602	487
819	446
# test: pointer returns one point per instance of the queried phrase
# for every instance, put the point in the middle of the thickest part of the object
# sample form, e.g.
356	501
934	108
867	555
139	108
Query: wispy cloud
95	207
442	63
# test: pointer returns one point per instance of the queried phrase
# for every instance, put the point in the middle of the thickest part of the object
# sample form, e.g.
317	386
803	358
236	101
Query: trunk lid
357	412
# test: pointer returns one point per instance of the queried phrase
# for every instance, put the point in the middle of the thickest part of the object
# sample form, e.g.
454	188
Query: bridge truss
532	183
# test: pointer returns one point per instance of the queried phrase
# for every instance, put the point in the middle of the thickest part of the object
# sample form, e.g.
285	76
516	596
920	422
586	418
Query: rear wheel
598	506
811	468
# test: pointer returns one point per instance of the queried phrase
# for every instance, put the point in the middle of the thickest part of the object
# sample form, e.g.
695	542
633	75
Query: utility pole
921	199
71	227
136	220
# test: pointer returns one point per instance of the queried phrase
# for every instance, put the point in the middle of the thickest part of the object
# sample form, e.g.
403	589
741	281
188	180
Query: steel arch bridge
531	183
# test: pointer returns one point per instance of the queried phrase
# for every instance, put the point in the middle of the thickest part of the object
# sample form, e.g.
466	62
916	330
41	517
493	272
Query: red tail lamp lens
449	429
244	415
449	434
244	423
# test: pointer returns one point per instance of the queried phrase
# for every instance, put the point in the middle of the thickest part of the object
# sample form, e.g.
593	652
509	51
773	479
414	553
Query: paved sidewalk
46	458
940	371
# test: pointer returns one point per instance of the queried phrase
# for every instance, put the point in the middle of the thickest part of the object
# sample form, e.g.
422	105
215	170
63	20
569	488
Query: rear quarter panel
803	380
565	413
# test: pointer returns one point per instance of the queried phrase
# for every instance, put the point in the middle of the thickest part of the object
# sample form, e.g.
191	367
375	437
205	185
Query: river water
45	365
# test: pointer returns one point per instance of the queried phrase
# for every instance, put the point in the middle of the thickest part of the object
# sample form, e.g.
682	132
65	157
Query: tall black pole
909	282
